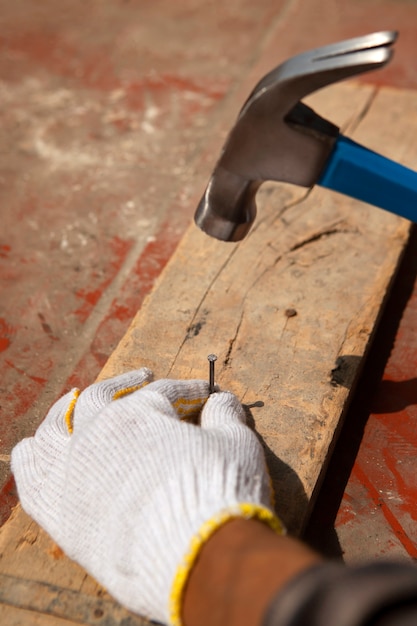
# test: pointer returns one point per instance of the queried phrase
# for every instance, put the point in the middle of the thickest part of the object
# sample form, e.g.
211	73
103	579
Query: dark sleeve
376	594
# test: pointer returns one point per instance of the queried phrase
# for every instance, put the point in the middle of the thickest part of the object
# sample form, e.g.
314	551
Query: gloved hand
133	492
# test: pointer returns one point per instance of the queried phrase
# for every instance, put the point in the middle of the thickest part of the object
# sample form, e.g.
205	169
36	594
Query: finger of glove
222	409
93	399
187	397
39	473
26	471
32	457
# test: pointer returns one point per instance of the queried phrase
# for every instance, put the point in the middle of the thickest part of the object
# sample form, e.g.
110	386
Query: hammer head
277	137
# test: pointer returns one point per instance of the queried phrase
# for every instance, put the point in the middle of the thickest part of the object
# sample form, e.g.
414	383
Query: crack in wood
280	211
313	238
353	124
291	205
328	232
228	357
193	324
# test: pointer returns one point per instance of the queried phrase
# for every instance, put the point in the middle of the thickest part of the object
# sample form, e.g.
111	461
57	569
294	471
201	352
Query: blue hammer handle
365	175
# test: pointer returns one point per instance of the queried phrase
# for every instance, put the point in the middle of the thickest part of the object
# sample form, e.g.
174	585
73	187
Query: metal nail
211	358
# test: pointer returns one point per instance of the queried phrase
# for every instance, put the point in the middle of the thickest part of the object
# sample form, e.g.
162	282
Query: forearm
239	571
248	576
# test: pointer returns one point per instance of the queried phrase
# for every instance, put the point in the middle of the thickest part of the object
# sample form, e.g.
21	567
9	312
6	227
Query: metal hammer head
277	137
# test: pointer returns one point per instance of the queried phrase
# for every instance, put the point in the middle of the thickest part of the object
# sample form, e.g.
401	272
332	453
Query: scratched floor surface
106	109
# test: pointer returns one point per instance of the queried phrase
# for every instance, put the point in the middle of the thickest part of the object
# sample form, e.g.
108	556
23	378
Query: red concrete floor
382	490
112	114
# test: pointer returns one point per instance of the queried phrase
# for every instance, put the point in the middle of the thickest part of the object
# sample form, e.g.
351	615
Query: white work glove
133	493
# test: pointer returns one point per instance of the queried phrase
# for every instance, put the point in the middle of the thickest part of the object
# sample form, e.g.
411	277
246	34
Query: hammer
277	137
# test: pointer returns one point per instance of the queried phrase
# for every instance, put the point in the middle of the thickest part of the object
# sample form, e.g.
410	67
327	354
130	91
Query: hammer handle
365	175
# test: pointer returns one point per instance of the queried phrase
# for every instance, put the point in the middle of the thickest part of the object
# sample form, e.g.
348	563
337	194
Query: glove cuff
246	510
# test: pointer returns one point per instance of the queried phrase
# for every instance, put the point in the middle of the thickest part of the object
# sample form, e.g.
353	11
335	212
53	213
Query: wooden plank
53	588
67	605
290	313
326	257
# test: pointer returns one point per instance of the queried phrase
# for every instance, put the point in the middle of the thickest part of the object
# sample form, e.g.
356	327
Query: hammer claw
357	44
310	71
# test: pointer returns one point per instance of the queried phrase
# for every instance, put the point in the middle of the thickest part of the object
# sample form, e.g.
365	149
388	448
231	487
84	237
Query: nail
211	358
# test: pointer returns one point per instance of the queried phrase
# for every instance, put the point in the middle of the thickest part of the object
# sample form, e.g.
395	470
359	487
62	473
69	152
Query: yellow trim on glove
188	407
127	390
246	510
70	410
